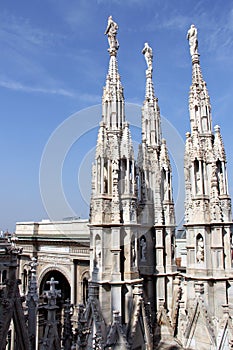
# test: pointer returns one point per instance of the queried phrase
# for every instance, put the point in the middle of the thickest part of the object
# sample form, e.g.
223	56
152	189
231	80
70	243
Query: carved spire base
195	58
113	51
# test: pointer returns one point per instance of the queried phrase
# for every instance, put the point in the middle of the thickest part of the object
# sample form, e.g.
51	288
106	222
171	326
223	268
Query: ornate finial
111	32
52	293
52	284
192	38
148	53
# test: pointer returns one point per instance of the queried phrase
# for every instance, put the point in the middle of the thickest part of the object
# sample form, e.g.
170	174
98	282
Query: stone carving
11	308
148	54
111	32
51	338
192	38
143	246
133	254
67	325
32	303
221	183
200	249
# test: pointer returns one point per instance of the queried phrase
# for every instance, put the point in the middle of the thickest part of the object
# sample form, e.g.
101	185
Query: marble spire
199	101
208	216
151	128
113	97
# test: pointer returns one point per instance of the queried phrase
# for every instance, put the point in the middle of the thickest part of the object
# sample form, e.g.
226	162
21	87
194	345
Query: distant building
62	252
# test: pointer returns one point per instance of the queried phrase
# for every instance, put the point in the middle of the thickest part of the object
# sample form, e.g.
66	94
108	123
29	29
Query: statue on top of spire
148	53
192	38
111	32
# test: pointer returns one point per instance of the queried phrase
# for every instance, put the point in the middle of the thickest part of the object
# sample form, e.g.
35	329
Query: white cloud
17	86
14	85
20	32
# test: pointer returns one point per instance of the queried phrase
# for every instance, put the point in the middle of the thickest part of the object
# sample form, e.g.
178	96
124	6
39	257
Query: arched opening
62	285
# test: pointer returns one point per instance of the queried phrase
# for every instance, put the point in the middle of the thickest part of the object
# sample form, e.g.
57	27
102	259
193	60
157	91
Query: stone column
73	283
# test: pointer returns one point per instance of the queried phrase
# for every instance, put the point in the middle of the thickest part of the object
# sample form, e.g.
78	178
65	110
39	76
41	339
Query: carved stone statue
111	32
200	250
143	249
221	183
192	38
148	53
133	253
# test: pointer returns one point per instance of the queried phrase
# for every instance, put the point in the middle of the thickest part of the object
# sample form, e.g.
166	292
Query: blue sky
53	63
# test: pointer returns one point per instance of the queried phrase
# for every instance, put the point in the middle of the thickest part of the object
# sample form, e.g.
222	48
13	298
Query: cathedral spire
156	205
207	204
199	101
113	214
113	98
151	129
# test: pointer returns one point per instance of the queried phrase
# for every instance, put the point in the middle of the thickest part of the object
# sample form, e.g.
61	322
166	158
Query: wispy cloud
17	86
174	20
19	31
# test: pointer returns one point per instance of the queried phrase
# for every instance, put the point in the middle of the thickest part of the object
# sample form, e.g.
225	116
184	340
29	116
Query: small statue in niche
133	253
173	250
143	246
200	250
105	184
166	196
221	183
198	182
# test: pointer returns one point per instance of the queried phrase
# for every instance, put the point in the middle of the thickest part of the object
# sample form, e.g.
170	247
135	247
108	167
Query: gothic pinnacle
199	101
113	98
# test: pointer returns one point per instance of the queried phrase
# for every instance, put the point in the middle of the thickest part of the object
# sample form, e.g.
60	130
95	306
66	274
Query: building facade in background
62	251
